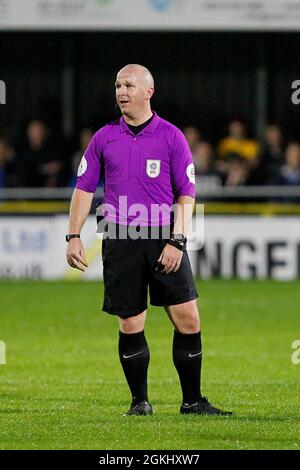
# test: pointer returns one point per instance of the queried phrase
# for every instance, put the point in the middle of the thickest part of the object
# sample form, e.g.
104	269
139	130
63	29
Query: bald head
134	90
140	71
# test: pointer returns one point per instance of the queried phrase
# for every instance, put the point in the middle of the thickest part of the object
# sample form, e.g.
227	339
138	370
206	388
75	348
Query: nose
121	90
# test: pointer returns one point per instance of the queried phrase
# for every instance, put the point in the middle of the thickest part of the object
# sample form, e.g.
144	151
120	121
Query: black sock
187	357
134	356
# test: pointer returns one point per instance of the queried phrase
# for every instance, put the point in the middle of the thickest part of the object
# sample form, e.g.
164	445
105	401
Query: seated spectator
206	175
84	139
193	136
272	155
7	170
40	162
238	173
289	173
237	145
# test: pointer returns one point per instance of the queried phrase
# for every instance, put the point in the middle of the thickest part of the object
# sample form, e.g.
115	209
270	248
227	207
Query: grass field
63	387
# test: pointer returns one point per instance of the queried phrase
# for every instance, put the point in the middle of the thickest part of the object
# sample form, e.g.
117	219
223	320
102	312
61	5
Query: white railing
249	192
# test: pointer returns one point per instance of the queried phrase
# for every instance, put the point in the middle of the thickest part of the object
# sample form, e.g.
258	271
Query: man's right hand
76	254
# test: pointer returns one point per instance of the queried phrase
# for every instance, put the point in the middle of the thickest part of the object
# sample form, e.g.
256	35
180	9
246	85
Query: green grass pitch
63	388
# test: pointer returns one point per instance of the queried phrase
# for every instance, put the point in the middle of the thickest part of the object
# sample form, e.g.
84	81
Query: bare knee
188	324
185	317
132	324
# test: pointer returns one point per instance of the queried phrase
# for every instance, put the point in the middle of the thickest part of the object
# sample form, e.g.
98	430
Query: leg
134	324
126	282
185	317
187	357
187	351
134	356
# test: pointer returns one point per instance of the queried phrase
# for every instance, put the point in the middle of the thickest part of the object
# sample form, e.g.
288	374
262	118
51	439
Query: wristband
179	245
69	236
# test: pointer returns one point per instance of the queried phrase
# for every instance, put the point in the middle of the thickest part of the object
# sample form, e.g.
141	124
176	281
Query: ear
149	93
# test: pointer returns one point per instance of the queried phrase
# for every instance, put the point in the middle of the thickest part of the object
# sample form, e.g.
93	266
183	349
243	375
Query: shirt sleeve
182	167
89	170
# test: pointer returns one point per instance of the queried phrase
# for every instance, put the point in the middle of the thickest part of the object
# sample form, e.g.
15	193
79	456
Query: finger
178	261
165	260
160	264
177	266
171	268
160	258
76	264
84	261
168	265
70	263
80	259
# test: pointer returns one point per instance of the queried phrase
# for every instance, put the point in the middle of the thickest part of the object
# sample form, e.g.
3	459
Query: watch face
179	237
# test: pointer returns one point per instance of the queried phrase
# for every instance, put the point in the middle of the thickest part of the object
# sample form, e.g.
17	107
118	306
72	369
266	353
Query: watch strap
178	245
69	236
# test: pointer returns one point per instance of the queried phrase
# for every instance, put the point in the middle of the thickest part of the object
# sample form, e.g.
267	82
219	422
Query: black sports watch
179	237
178	240
69	236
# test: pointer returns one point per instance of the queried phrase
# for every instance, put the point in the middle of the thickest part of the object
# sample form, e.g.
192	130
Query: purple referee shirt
144	174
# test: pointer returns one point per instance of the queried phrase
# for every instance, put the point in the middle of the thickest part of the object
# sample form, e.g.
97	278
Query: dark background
67	79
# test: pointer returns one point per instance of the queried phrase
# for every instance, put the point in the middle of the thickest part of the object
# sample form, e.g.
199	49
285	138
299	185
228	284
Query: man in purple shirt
147	167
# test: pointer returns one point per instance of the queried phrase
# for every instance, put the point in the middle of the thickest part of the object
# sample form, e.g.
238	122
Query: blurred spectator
272	156
289	173
206	175
193	136
7	170
237	145
84	139
40	161
238	173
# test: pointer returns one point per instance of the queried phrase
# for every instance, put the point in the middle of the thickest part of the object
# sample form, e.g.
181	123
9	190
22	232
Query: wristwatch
72	235
178	240
179	237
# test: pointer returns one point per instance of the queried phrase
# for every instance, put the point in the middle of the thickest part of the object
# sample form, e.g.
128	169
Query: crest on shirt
190	171
153	168
82	166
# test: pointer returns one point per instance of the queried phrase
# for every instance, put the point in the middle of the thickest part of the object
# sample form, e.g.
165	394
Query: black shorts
128	270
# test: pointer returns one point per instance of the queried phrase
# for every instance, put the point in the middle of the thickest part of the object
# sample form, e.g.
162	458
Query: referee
147	167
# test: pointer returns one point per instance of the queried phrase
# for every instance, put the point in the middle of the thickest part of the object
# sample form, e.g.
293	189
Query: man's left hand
171	258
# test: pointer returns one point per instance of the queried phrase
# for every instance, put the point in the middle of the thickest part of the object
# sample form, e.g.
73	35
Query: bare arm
183	214
171	256
79	211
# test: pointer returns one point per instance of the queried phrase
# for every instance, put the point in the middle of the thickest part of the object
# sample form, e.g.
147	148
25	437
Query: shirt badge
190	171
82	166
153	168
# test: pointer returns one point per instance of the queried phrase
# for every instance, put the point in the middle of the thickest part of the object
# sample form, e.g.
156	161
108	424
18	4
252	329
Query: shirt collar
150	128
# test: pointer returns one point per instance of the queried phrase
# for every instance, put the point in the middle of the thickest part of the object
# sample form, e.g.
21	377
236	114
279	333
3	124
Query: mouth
123	102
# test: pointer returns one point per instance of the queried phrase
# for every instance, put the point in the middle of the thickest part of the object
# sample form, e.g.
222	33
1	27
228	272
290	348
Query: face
292	156
132	94
203	155
192	135
236	129
36	133
273	135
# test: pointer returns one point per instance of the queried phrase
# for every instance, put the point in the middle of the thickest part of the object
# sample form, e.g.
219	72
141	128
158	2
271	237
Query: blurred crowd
41	159
237	160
